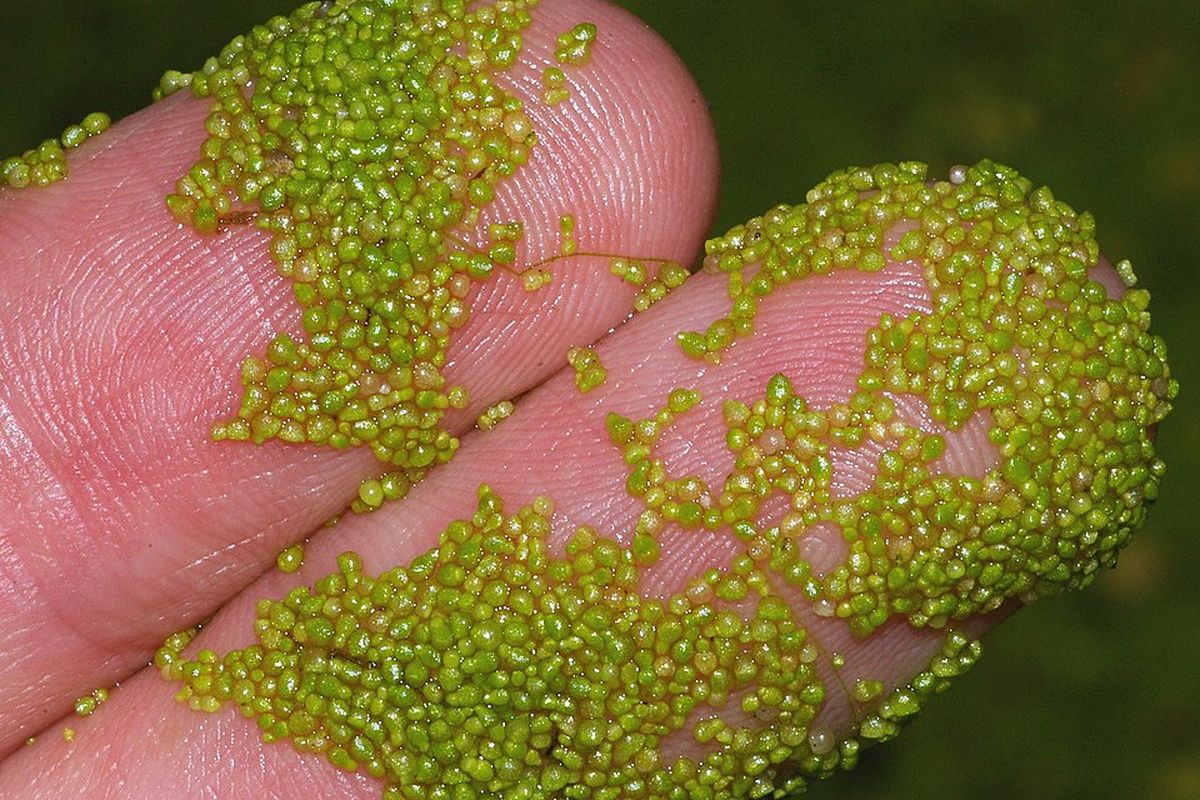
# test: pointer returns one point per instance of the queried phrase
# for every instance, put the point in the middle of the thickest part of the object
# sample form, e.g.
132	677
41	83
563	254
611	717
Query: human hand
214	515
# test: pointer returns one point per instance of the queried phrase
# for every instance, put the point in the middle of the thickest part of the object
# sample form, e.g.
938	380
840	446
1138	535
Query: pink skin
145	533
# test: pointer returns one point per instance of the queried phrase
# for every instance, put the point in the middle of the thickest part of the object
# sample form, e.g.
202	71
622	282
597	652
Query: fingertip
629	156
631	150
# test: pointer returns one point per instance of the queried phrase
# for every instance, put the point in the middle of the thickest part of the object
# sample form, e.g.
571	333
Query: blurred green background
1090	696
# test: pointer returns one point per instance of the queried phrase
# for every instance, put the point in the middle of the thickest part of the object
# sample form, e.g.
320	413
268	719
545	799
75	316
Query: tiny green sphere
291	558
371	493
96	123
74	136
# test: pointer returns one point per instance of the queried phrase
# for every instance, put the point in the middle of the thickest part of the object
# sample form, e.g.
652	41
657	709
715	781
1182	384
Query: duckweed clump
589	372
1070	380
374	492
554	86
290	558
653	285
365	136
47	163
566	229
575	46
491	668
671	275
885	721
86	705
495	414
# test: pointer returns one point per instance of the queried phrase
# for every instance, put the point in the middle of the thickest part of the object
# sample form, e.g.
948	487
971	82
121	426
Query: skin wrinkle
158	347
199	564
118	189
640	163
562	314
120	362
267	292
636	117
28	226
260	540
200	768
99	148
31	687
19	349
245	484
655	154
57	501
289	509
104	352
118	323
565	135
96	148
84	477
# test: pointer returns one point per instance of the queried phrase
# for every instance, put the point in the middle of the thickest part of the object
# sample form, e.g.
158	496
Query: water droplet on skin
821	741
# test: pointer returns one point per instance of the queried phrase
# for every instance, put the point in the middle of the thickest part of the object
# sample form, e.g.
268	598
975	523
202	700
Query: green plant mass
492	667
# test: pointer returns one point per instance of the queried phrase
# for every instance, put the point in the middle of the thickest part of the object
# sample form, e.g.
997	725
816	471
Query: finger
122	333
818	331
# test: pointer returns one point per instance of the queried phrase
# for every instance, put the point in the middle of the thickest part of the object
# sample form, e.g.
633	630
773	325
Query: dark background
1091	696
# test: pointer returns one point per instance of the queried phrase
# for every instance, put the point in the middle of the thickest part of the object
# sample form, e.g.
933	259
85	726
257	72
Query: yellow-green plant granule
670	277
566	227
291	558
365	136
575	46
536	278
494	415
554	86
652	287
86	705
631	271
589	372
374	492
491	667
